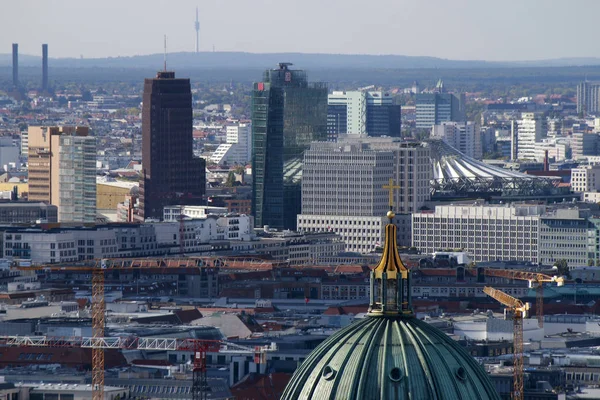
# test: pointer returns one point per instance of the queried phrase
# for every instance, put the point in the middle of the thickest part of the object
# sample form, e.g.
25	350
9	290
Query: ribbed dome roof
390	354
383	357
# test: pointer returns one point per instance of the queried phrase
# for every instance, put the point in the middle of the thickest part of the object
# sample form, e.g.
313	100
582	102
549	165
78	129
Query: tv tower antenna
197	26
165	61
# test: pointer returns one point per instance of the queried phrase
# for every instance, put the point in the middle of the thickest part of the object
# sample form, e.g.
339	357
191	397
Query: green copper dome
390	358
390	354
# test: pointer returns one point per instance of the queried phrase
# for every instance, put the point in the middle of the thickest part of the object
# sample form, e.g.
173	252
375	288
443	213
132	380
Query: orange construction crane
535	279
517	311
98	269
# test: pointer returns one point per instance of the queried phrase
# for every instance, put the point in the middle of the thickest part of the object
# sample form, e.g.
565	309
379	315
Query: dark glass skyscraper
171	173
287	114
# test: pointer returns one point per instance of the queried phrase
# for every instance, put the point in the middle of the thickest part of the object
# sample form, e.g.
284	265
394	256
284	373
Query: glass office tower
288	114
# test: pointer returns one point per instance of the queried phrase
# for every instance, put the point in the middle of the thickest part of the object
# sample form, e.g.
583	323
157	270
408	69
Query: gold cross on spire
391	188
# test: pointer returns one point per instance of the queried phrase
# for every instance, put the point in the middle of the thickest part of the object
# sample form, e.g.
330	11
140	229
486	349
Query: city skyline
401	28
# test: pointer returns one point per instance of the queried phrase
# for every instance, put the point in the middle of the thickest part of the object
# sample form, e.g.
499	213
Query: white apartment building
531	128
238	146
461	135
24	145
487	232
343	188
356	109
534	233
585	178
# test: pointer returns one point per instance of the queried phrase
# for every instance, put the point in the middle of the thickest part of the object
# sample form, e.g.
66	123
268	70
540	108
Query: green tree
563	268
230	179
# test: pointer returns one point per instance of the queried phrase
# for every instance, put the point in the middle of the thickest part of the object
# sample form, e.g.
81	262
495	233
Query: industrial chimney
15	55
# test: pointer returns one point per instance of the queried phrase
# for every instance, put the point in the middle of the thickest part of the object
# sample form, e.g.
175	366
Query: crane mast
518	311
98	310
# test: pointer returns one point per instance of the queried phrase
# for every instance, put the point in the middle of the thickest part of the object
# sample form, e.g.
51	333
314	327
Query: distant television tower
197	26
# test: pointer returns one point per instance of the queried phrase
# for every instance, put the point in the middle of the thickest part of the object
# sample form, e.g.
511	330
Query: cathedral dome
390	354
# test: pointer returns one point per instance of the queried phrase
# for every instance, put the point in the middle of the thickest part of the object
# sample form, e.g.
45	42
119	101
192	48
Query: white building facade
356	109
487	232
343	189
463	136
585	179
531	128
238	146
520	232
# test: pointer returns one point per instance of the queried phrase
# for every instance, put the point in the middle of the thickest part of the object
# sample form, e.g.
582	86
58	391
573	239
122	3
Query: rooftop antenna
165	66
197	27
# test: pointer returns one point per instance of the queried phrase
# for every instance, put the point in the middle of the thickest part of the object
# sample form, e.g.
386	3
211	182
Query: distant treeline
487	80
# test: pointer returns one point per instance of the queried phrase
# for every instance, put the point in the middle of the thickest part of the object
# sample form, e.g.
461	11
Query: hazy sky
455	29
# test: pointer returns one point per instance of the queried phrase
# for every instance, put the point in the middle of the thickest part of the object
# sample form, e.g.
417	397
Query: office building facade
358	112
28	212
171	173
588	97
585	179
435	108
62	171
463	136
525	133
238	146
288	114
519	232
486	232
343	189
584	144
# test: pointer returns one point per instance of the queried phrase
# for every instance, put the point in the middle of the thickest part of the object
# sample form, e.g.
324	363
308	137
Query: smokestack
44	67
546	163
15	54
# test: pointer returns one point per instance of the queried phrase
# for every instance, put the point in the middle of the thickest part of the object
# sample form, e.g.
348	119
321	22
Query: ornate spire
390	280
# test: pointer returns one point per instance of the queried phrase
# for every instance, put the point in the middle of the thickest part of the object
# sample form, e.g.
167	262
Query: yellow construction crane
517	310
98	268
535	279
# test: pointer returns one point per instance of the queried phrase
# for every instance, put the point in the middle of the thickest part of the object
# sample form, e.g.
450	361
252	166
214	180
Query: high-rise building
435	108
15	64
361	112
62	171
588	97
342	188
463	136
288	114
531	128
171	173
44	67
584	144
238	146
383	115
346	113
